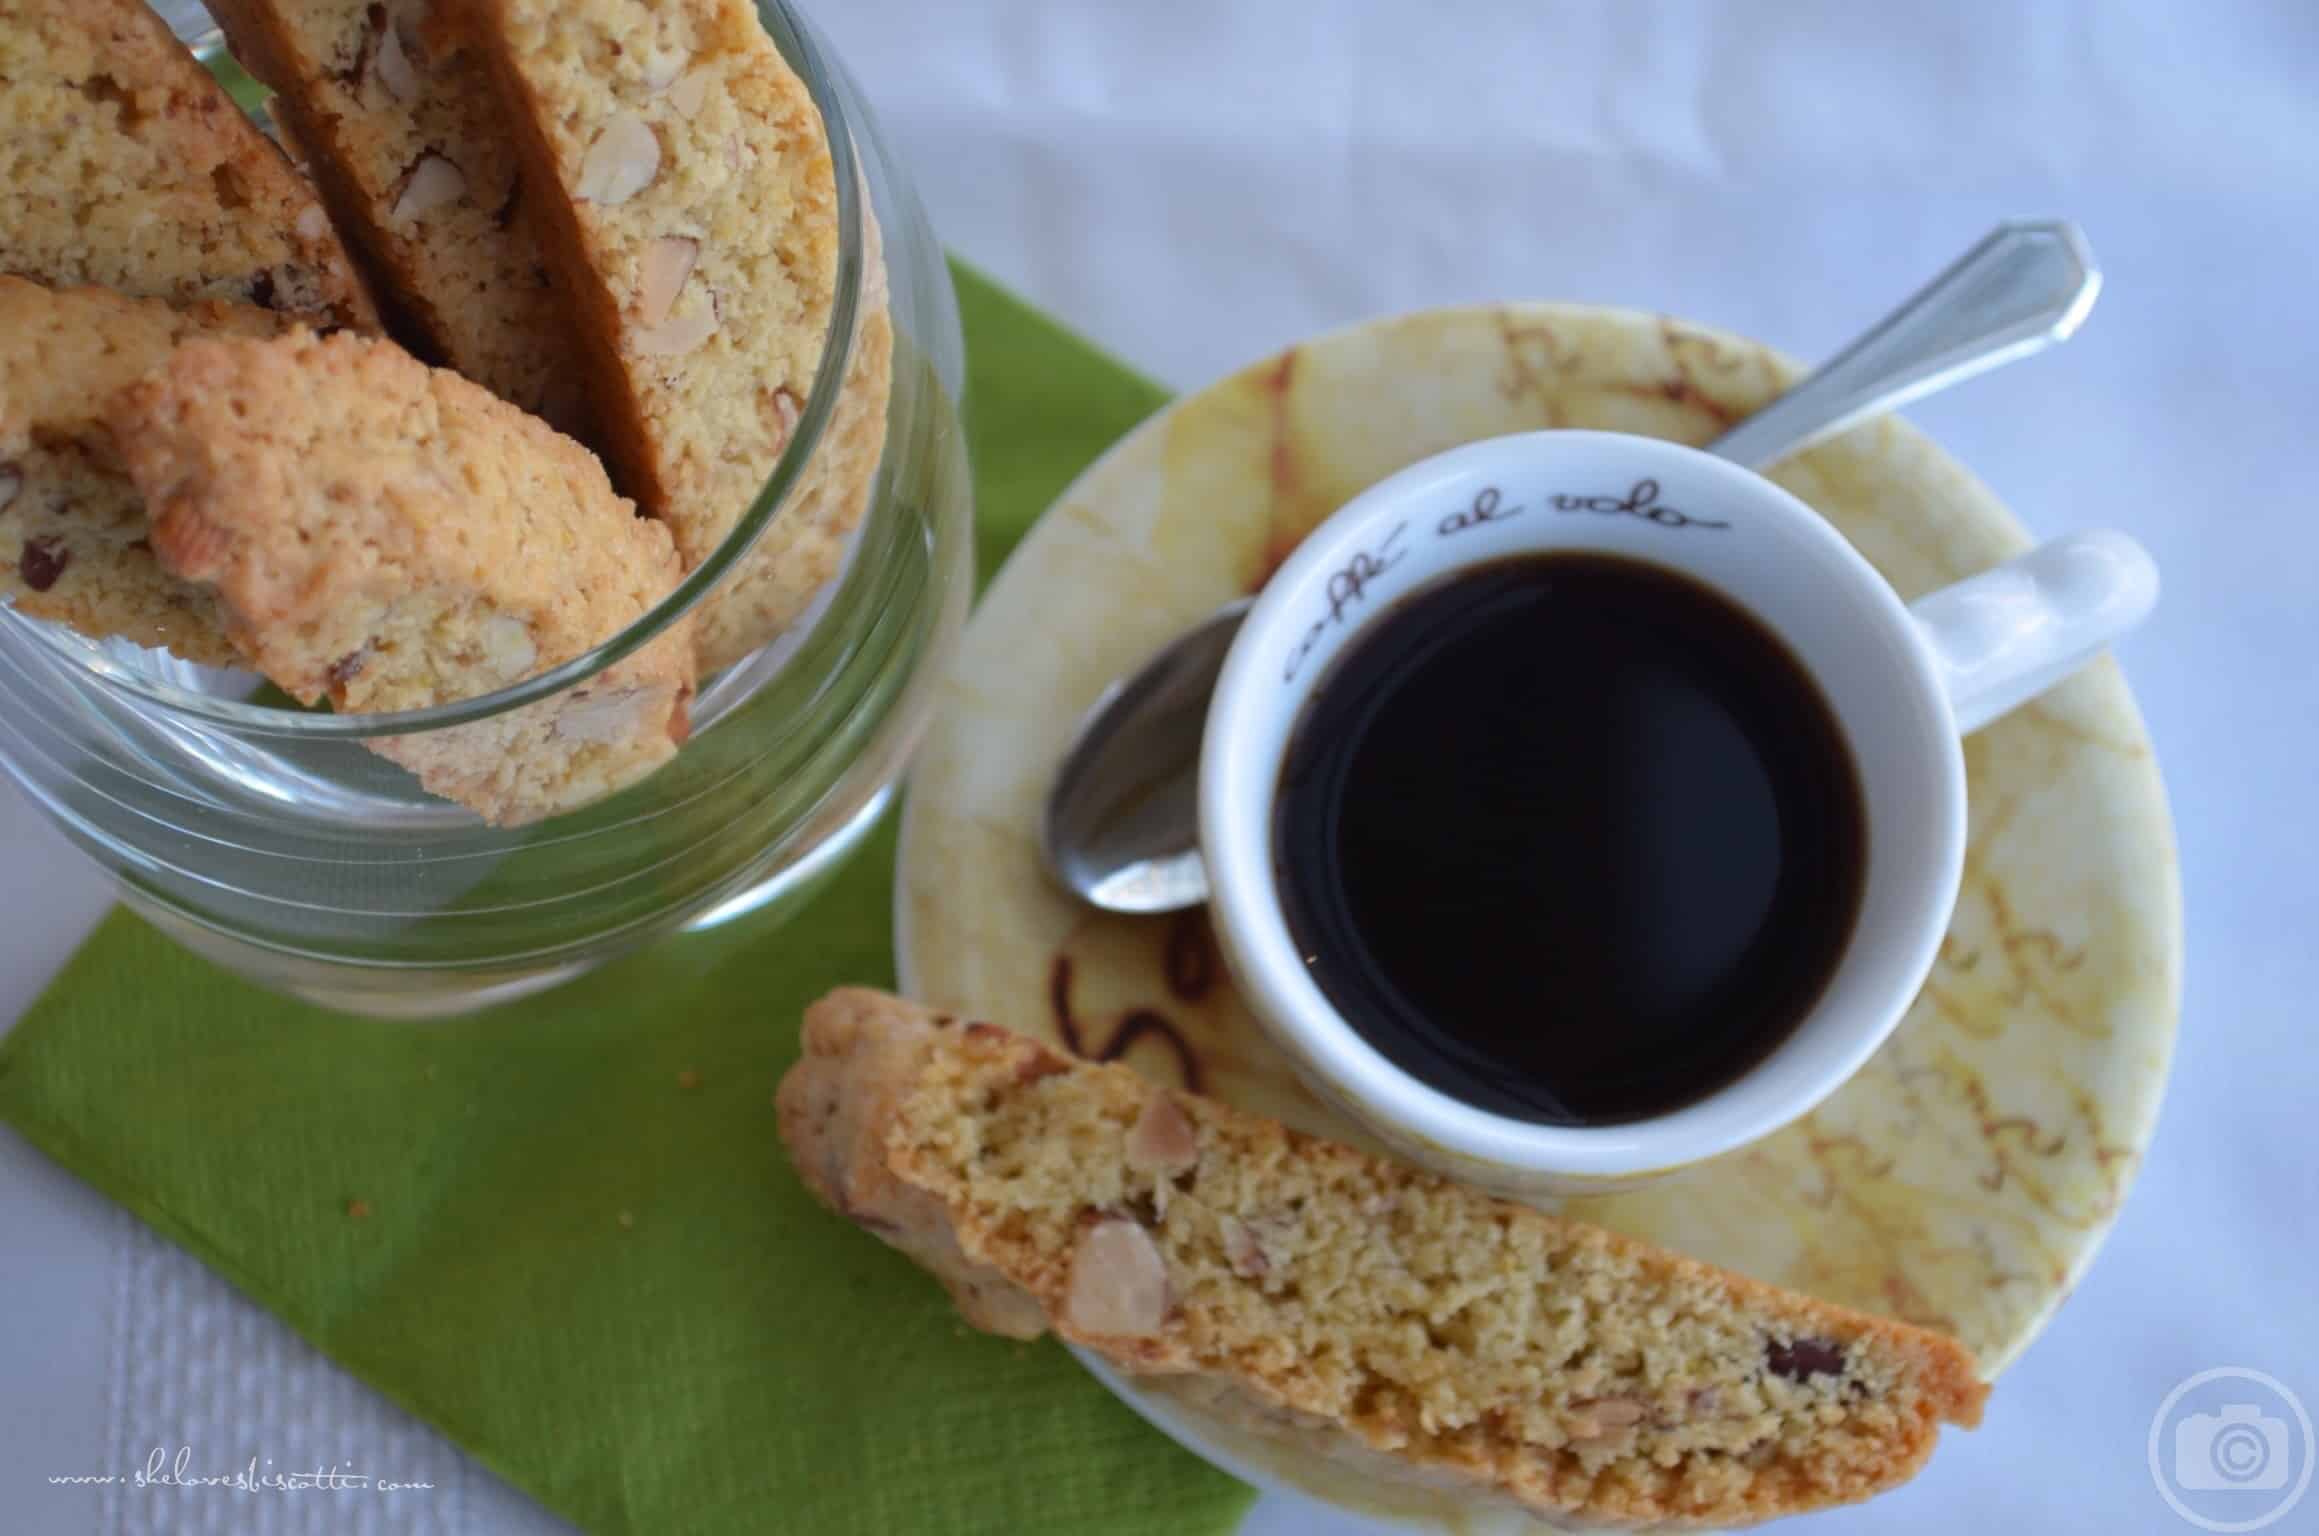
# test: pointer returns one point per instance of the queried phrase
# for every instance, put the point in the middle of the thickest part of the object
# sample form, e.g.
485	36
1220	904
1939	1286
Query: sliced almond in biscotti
122	163
1355	1307
404	133
74	543
689	202
390	536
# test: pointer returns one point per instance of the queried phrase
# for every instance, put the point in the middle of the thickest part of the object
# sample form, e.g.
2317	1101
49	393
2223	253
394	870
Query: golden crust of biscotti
122	163
689	206
402	131
778	579
835	1106
73	537
390	536
1372	1311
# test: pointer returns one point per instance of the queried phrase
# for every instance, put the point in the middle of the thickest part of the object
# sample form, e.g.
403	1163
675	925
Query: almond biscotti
1373	1312
772	585
689	204
122	163
389	536
74	543
404	135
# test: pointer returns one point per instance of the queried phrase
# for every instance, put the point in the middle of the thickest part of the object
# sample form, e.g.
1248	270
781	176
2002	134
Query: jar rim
804	52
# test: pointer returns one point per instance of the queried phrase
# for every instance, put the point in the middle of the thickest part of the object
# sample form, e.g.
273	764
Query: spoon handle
2025	287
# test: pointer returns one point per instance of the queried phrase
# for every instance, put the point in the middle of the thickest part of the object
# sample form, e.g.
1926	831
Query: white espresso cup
1903	680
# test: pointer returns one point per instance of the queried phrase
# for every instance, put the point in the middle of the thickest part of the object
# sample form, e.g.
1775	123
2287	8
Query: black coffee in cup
1571	837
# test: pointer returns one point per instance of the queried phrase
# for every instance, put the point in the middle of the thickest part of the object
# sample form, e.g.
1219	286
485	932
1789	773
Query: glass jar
270	839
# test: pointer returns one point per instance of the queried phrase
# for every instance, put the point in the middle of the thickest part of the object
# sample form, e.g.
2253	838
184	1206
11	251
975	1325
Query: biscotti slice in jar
1367	1311
389	536
403	133
122	163
74	542
774	584
689	203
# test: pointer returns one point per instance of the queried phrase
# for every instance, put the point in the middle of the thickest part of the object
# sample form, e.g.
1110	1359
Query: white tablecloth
1194	184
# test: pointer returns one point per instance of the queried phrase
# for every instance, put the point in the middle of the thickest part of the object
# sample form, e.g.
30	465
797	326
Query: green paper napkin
564	1231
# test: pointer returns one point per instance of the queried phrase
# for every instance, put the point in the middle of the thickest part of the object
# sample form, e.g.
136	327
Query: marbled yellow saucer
1962	1180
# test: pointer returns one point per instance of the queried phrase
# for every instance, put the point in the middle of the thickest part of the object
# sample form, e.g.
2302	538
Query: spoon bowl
1122	818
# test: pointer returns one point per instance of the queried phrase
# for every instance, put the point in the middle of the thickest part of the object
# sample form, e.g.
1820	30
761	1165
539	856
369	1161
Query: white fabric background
1194	184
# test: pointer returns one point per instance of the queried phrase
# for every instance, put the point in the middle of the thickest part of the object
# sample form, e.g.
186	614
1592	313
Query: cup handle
2008	634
